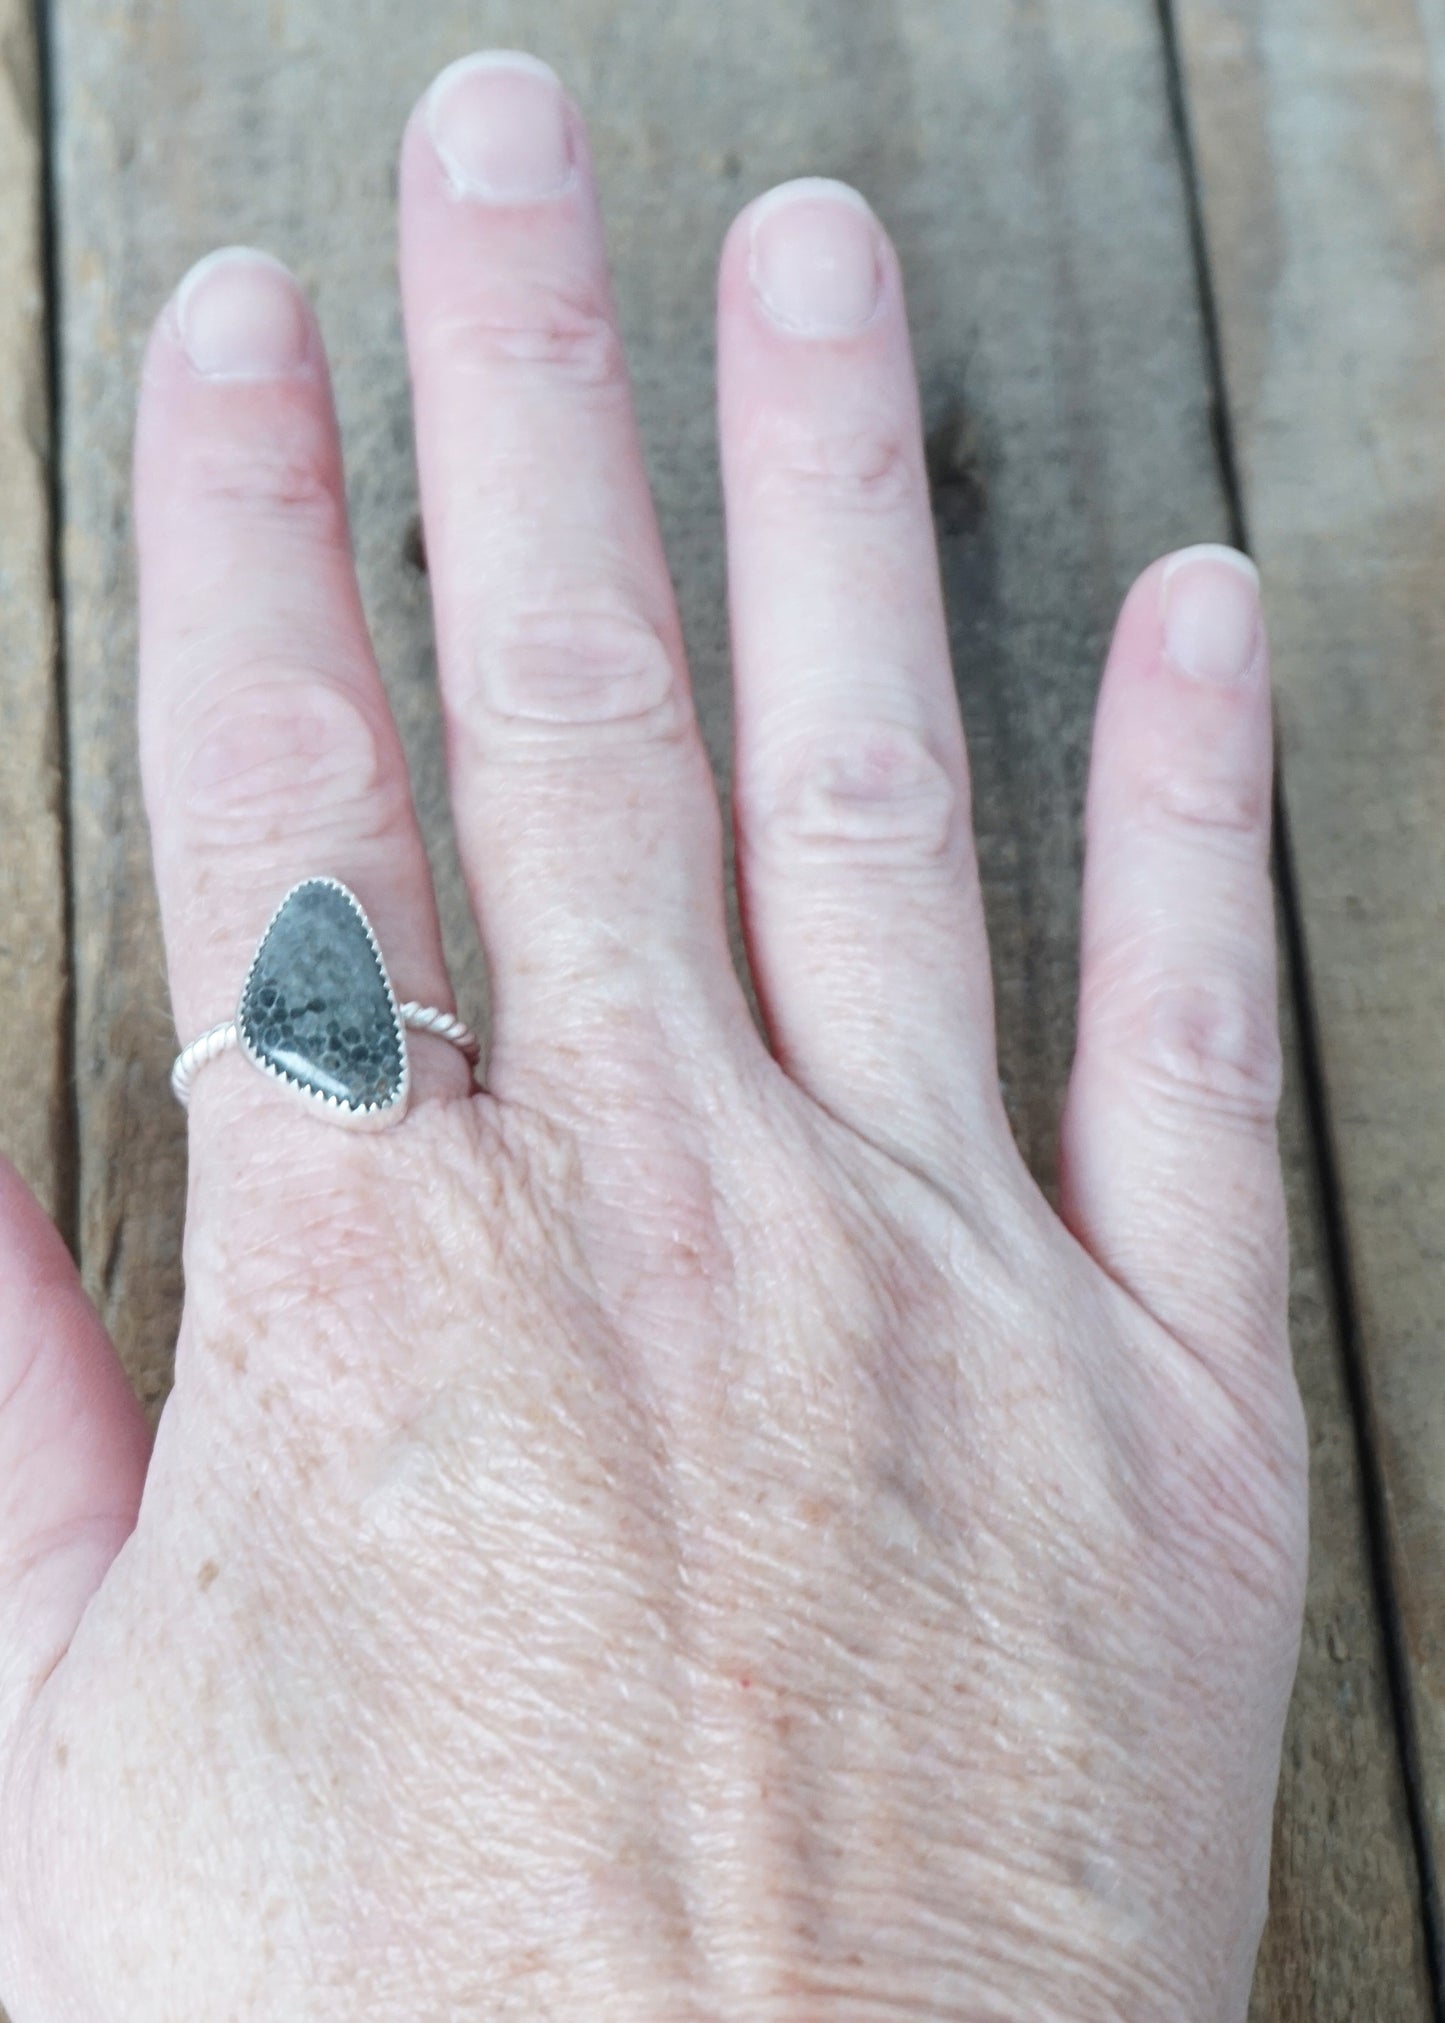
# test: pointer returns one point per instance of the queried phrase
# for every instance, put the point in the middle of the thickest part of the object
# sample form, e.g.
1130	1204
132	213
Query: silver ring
318	1014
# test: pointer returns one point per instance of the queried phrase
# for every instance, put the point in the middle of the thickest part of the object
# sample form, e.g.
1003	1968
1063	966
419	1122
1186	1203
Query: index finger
268	751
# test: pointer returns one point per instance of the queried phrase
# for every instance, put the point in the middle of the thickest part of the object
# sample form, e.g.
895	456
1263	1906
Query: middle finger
585	808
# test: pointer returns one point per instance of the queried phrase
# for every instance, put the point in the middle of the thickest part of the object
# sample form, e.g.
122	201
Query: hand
689	1532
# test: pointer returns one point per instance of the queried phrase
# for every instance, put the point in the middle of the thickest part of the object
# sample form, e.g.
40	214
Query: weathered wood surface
34	968
1318	127
1022	153
1345	1941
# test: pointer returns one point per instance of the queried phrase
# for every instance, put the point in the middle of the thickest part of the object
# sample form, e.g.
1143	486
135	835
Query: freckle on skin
234	1353
62	1755
206	1575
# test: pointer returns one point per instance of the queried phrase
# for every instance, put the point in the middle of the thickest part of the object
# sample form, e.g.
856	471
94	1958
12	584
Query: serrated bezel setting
355	1116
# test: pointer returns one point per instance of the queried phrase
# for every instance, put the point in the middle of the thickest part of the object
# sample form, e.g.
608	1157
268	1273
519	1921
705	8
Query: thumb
73	1450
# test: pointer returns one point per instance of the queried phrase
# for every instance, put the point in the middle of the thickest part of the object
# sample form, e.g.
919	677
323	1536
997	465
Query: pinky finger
73	1451
1170	1168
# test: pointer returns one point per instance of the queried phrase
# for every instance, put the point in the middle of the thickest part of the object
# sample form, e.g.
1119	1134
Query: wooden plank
1346	1937
34	967
1318	128
35	1123
1022	153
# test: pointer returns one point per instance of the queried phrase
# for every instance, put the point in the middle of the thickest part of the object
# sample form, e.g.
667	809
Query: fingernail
498	121
241	316
815	258
1211	613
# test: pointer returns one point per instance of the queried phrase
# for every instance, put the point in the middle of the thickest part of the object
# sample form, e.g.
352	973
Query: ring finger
855	852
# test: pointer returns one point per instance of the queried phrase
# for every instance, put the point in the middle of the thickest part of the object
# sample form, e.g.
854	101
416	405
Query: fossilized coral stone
317	1007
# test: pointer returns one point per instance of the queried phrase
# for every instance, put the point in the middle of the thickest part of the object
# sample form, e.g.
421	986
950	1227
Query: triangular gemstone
317	1008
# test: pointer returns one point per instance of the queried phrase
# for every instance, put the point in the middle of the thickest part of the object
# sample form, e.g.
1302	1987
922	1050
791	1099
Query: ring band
318	1014
418	1018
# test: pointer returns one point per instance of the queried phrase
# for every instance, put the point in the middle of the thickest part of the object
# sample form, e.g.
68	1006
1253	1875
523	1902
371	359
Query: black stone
317	1005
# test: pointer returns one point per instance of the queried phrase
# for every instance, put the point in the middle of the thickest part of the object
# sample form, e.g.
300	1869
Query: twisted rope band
418	1018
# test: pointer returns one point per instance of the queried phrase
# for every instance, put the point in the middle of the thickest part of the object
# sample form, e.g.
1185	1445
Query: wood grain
1022	153
1318	130
1345	1940
35	1123
34	967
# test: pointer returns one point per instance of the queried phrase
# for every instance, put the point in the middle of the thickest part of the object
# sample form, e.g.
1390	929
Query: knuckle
586	663
872	792
290	476
283	754
1207	1039
1220	805
559	333
867	469
1220	1041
